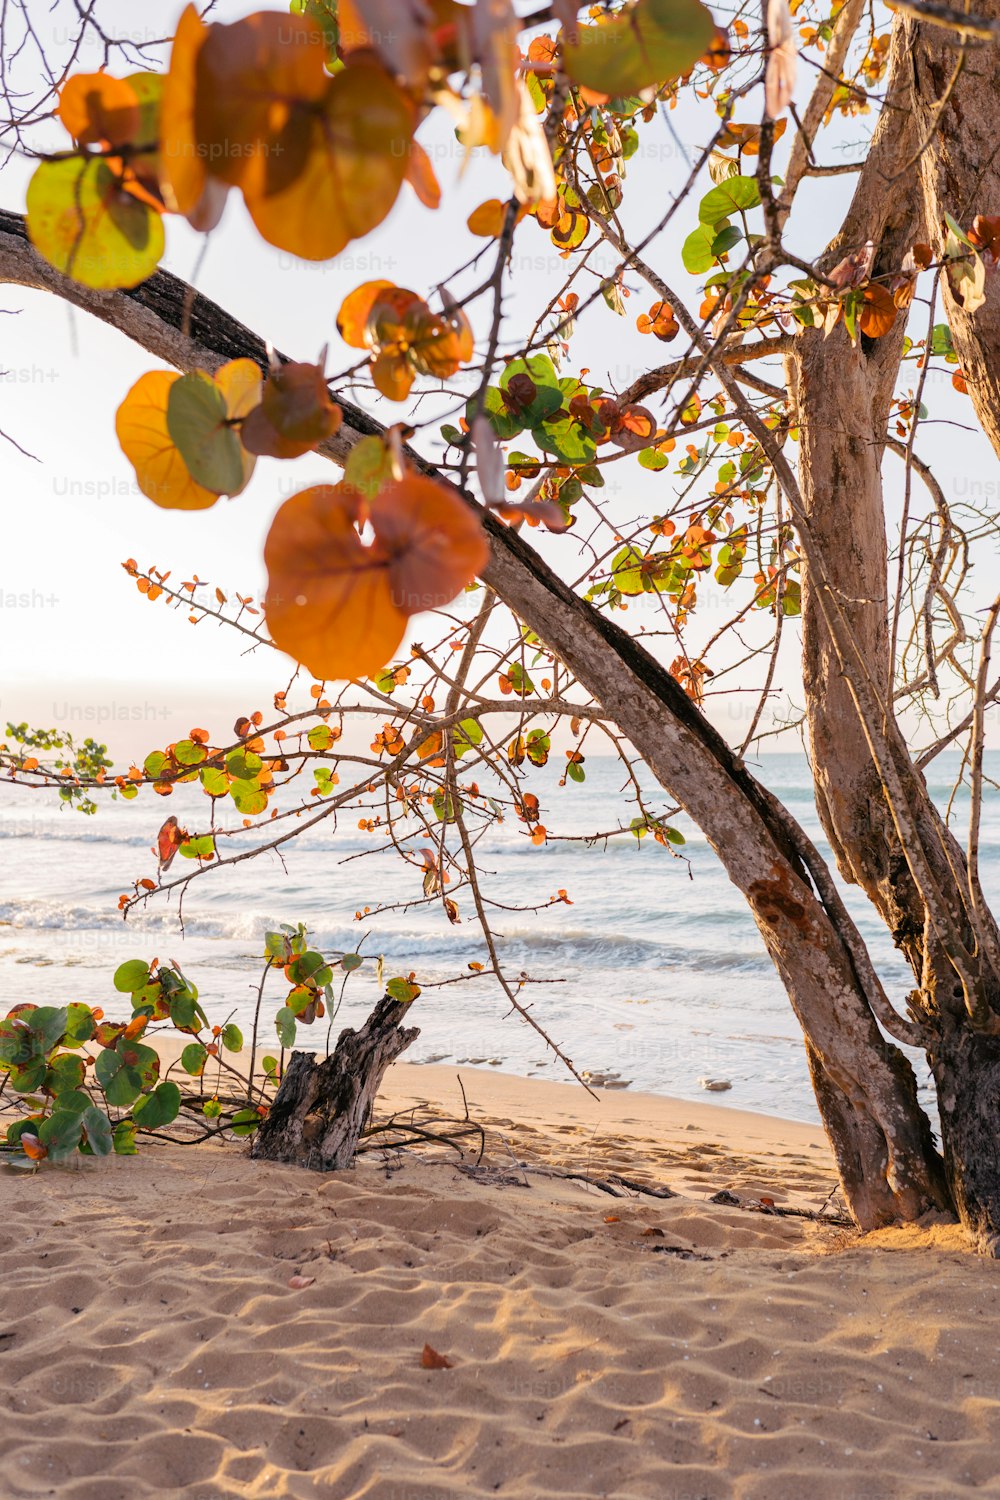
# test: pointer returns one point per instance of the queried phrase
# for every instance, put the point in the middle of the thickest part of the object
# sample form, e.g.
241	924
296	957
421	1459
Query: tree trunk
842	396
321	1108
865	1088
966	1067
953	95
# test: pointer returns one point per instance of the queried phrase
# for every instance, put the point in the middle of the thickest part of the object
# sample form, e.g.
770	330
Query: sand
152	1342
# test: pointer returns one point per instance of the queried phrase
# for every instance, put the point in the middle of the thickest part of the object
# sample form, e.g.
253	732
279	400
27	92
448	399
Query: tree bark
953	92
321	1108
865	1088
842	398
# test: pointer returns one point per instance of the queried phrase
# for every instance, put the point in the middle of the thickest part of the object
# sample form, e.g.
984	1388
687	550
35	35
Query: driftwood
322	1107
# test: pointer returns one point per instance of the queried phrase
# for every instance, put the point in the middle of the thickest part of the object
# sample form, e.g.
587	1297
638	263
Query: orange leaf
33	1147
329	602
422	178
257	84
487	220
340	606
878	313
141	425
169	839
435	543
295	413
357	156
99	110
355	311
187	186
430	1359
430	746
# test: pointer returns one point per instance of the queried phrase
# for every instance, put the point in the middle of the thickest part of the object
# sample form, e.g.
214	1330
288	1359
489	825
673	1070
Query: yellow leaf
84	223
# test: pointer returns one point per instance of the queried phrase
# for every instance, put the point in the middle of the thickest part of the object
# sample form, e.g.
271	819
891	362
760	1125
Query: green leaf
80	1024
402	990
310	967
369	466
65	1074
245	1122
320	737
211	1109
726	198
189	753
725	240
17	1041
791	598
531	389
351	961
232	1038
199	848
124	1070
196	421
696	251
467	735
76	1101
214	781
245	765
98	1130
612	294
567	438
284	1025
646	44
443	806
183	1010
249	800
27	1077
161	1107
124	1139
494	409
131	976
61	1133
276	945
193	1058
325	12
83	224
538	745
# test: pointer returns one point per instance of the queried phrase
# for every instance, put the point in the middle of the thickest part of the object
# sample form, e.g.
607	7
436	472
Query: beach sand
152	1342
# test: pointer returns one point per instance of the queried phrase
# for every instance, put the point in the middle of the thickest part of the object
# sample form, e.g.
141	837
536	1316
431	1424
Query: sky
81	649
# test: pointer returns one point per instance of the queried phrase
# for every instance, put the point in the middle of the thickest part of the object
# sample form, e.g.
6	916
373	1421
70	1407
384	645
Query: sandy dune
150	1343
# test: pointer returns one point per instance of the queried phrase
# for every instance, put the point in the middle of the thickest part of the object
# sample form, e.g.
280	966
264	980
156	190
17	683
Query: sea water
655	976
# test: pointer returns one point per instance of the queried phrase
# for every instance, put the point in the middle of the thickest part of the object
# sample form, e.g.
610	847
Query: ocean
655	976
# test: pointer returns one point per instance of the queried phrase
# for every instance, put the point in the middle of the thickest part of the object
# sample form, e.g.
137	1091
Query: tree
789	474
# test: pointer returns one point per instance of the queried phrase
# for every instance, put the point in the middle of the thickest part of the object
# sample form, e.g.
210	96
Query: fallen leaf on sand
298	1282
432	1360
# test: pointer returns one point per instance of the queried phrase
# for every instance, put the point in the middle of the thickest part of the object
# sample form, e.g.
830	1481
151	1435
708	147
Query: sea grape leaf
645	44
80	218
